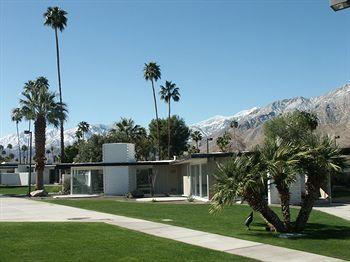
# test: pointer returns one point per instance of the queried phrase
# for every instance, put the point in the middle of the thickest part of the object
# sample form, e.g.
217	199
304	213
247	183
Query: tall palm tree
28	87
196	136
41	104
16	116
83	128
168	92
56	18
151	71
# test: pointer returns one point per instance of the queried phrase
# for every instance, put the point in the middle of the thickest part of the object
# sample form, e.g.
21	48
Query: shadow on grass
312	231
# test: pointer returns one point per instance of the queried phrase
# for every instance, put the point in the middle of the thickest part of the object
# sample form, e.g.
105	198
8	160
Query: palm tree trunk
60	94
29	127
259	204
169	120
40	139
285	204
19	145
306	206
157	119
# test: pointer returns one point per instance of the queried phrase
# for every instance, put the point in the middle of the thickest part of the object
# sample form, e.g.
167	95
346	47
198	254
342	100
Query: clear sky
225	56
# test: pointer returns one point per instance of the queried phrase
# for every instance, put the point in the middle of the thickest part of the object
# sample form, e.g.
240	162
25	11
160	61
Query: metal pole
207	146
30	164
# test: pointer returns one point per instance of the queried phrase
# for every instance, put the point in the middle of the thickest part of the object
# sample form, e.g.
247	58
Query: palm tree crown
16	115
169	91
40	104
151	71
196	136
56	18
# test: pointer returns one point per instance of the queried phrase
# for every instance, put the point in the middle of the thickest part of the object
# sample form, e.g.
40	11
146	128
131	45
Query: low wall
20	179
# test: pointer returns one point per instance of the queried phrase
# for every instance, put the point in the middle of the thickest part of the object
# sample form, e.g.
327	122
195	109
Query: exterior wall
169	180
118	180
186	179
21	178
296	190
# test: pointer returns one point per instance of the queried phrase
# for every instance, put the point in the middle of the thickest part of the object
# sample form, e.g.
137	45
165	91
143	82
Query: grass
326	234
23	190
94	242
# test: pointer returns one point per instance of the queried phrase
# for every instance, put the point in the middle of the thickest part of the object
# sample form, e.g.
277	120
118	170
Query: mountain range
332	109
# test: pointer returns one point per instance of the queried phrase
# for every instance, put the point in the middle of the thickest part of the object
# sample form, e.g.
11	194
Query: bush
135	194
66	187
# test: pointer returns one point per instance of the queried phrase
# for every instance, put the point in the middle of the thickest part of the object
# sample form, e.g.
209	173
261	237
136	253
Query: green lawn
94	242
326	235
23	190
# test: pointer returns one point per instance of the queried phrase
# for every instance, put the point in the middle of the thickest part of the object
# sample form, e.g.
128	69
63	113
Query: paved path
20	209
339	210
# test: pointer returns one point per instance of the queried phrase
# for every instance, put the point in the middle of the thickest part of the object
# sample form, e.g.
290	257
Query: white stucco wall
296	190
118	180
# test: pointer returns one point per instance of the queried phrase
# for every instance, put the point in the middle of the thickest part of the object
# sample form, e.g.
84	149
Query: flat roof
97	164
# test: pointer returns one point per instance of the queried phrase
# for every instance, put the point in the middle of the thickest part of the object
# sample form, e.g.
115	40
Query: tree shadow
312	231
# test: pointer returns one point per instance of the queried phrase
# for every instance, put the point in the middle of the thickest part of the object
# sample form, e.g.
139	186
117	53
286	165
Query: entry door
199	180
195	183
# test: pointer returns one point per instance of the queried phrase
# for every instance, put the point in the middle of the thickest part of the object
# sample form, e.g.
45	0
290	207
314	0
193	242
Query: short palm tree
321	160
56	18
83	128
41	104
151	72
167	93
244	177
196	136
16	116
281	159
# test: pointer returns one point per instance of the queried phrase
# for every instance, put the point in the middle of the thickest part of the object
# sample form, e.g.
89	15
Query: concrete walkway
23	210
339	210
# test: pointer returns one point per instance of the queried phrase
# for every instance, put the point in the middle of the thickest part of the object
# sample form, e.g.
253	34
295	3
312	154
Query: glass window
204	175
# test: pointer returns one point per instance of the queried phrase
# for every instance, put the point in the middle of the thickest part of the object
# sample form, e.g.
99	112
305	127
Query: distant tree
294	127
126	131
41	103
24	148
167	93
223	142
71	152
79	134
56	18
151	71
91	149
9	147
180	134
16	116
11	156
83	128
196	136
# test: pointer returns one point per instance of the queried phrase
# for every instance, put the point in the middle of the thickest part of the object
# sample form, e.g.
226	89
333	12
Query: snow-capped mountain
52	137
332	109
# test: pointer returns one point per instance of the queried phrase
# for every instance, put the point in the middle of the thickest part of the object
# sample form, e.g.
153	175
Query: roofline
102	164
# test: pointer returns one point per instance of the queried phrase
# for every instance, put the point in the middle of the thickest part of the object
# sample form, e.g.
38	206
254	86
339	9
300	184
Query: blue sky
225	56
